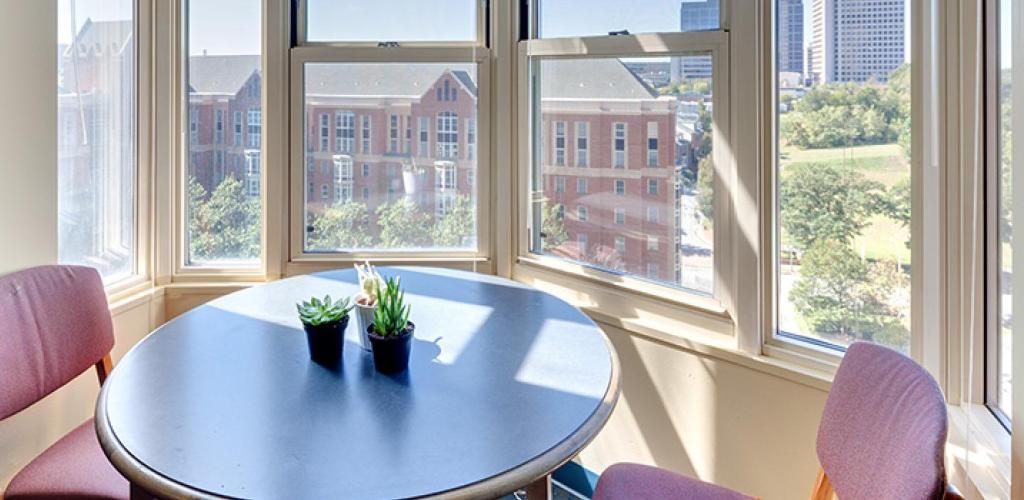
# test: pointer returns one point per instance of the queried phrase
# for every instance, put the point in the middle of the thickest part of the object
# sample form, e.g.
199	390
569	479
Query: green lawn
883	238
883	162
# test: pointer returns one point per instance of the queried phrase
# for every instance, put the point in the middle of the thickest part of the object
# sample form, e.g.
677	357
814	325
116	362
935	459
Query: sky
232	26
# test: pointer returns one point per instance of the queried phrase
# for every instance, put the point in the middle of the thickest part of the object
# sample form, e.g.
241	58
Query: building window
218	126
652	186
620	245
582	144
237	124
344	132
393	134
581	185
325	132
193	125
471	139
407	147
344	179
582	213
96	143
619	145
582	244
366	170
620	187
620	216
559	184
255	127
652	215
366	136
324	192
424	147
653	270
652	144
223	203
560	144
652	243
447	135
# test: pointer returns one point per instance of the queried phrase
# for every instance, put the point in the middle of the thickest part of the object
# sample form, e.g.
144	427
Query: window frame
715	43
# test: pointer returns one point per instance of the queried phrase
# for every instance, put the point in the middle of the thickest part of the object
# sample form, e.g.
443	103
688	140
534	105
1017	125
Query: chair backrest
883	432
54	325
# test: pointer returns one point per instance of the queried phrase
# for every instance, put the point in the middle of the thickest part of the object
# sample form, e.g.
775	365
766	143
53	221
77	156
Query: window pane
570	18
642	163
391	20
844	172
224	170
414	195
96	136
1005	140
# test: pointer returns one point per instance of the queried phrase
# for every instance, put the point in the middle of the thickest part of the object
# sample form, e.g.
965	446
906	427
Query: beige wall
710	418
28	215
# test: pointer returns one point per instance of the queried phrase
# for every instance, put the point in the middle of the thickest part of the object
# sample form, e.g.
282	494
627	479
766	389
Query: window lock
619	33
389	45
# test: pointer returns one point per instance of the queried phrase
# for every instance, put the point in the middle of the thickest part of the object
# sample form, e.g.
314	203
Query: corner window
96	136
223	78
842	268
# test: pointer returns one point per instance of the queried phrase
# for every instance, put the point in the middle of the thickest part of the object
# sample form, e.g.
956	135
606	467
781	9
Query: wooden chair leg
822	487
539	489
103	368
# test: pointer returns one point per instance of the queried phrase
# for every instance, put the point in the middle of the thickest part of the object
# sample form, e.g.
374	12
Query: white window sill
978	452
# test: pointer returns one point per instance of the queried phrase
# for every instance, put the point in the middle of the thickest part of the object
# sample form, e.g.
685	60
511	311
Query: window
582	213
222	72
471	139
96	137
345	132
447	135
420	202
424	146
560	144
325	132
324	192
582	143
842	269
652	243
393	132
620	187
652	187
218	130
652	144
581	185
424	21
559	184
619	145
620	216
237	124
999	215
193	122
652	215
561	18
620	245
366	137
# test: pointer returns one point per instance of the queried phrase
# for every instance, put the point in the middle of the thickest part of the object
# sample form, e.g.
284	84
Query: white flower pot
410	181
364	318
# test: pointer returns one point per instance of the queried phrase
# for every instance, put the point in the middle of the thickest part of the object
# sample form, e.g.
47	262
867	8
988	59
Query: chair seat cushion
634	481
74	467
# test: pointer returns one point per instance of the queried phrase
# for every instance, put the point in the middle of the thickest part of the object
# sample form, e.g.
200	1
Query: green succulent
316	312
391	317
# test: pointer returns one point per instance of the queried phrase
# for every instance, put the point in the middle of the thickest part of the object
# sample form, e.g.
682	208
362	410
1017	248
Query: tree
826	202
457	228
342	226
402	225
840	295
552	225
706	187
225	225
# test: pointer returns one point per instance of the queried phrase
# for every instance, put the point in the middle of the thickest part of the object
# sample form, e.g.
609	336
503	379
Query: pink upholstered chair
55	325
882	435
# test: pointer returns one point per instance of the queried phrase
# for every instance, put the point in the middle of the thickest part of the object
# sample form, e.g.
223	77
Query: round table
506	383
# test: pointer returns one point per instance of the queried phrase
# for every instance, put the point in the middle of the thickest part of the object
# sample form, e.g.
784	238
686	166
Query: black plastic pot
391	354
326	341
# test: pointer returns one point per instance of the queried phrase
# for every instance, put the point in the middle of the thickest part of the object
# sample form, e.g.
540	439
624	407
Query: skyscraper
856	40
699	15
791	36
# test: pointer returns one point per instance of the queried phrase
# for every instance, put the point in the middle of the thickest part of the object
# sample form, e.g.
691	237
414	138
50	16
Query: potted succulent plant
366	301
325	322
391	332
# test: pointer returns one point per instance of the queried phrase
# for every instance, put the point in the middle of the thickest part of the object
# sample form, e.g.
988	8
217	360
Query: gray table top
505	384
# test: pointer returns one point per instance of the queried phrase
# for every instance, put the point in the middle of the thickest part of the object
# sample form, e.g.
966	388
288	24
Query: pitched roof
591	79
220	74
381	79
101	37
